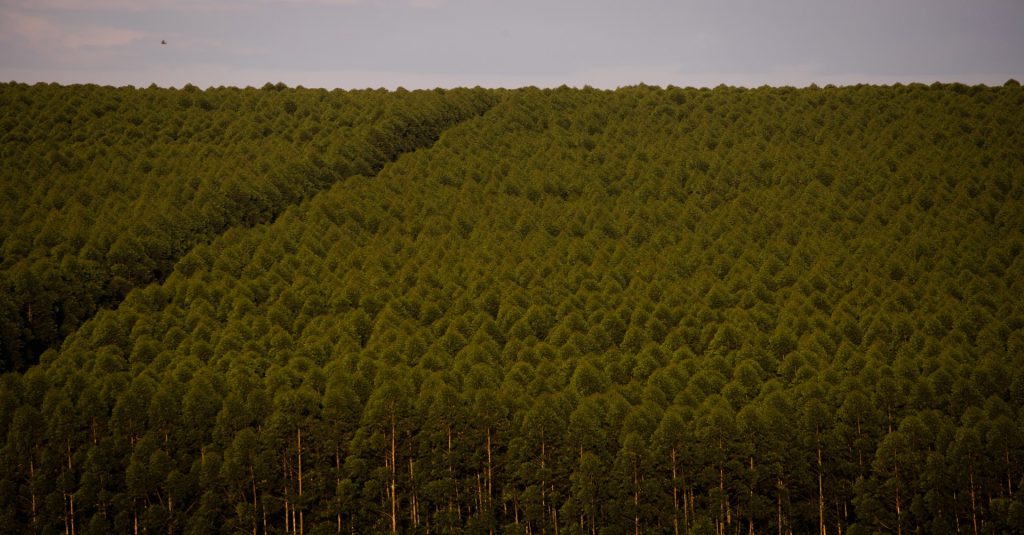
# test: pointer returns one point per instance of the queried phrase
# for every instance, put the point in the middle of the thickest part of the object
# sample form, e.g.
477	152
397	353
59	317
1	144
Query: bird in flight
163	42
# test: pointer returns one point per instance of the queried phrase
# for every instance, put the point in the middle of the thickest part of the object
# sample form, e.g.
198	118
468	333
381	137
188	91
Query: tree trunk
298	441
675	495
693	508
554	514
479	495
394	483
70	525
686	510
337	480
724	509
839	519
287	512
414	513
490	495
543	483
821	491
72	496
899	520
750	515
778	495
974	510
956	510
721	500
32	492
255	508
448	461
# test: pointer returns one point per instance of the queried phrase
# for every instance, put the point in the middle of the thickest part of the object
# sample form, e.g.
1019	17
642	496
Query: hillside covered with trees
646	310
105	189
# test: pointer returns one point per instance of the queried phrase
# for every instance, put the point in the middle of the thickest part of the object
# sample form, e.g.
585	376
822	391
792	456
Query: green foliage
105	189
645	310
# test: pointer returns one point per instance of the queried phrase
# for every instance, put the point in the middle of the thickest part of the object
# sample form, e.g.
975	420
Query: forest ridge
646	310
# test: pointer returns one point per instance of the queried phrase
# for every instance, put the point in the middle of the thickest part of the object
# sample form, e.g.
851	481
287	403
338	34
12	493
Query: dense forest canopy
646	310
105	189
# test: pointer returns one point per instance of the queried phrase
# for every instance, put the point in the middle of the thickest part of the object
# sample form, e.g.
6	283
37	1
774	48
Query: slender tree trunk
839	519
821	491
448	461
693	507
675	495
956	510
479	495
778	495
974	510
298	441
1009	478
554	513
255	508
686	510
69	526
337	479
899	519
750	516
724	509
728	512
414	513
386	500
31	485
490	495
543	483
722	513
394	483
721	500
287	511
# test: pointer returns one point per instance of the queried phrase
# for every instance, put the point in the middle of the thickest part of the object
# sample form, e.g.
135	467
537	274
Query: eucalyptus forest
528	311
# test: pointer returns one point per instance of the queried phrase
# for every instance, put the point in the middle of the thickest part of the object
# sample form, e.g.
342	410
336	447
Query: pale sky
510	43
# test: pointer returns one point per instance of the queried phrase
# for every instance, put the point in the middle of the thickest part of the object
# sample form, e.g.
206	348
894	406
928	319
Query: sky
510	43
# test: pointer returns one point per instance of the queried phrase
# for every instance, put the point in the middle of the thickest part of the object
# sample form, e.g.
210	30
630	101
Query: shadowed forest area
105	189
558	311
